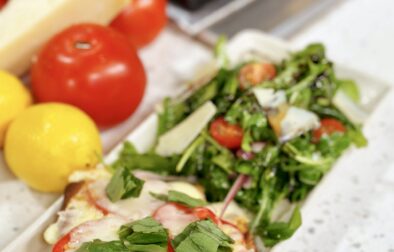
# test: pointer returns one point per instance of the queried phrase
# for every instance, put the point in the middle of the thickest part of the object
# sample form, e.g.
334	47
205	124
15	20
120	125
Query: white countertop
358	34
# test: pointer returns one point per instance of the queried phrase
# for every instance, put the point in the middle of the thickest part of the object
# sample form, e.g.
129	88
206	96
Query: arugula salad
257	133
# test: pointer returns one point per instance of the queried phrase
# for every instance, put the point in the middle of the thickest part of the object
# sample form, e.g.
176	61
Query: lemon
47	142
14	98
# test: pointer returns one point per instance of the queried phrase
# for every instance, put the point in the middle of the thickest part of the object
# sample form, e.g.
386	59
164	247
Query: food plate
243	46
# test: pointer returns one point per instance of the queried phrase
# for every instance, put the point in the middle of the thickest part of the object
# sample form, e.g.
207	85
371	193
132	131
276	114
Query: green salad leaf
146	235
202	236
123	185
101	246
130	159
279	231
181	198
349	87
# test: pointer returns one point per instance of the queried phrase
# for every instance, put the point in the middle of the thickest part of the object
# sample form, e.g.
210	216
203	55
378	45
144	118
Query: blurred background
281	18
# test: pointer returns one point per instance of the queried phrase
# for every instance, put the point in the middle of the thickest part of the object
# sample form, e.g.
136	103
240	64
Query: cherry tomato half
141	21
228	135
328	126
255	73
94	68
2	3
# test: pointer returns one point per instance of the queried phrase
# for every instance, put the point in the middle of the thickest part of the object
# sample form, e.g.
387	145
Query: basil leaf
101	246
202	236
123	185
144	235
179	197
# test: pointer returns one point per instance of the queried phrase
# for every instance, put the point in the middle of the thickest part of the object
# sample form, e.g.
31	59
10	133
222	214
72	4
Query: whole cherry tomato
255	73
2	3
226	134
141	21
94	68
328	126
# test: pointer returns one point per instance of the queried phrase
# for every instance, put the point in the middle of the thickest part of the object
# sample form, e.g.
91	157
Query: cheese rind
26	25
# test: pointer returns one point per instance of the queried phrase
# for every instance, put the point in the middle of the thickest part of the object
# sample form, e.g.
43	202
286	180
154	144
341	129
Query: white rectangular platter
243	46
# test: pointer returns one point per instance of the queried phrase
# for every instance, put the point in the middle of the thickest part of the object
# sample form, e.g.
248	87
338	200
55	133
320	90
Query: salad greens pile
277	169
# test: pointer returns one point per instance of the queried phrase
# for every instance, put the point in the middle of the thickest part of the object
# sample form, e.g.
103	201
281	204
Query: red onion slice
239	182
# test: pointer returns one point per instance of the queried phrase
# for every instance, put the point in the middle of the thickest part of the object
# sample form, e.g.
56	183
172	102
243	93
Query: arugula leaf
144	235
129	158
202	236
310	176
188	153
220	51
202	95
357	137
279	231
101	246
172	114
349	87
181	198
309	158
123	185
334	144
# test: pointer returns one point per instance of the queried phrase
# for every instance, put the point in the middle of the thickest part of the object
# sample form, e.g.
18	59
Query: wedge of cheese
176	140
26	25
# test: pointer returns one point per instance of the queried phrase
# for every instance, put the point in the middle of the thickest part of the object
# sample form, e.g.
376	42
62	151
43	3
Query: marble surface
358	34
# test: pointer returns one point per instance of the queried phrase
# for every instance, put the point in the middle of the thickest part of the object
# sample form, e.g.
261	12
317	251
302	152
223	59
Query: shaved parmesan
296	122
268	98
181	136
26	25
349	108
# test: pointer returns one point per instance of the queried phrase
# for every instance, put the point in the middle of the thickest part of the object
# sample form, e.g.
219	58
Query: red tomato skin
169	247
2	3
202	213
328	126
227	135
60	245
142	21
103	75
92	201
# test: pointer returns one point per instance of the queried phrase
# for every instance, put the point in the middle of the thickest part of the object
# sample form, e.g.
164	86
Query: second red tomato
94	68
141	21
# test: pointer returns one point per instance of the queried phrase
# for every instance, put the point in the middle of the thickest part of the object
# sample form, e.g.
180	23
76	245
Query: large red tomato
142	20
94	68
2	3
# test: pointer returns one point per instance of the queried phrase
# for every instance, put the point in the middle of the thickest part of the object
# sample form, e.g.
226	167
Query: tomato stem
83	45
